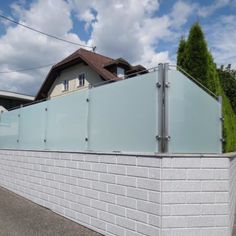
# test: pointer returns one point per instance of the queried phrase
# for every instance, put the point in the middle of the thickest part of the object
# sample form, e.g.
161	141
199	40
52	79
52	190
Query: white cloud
222	38
87	16
119	28
22	48
208	10
126	29
180	13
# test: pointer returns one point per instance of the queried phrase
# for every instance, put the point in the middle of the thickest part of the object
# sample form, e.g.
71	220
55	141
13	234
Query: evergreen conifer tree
212	78
181	54
197	54
194	57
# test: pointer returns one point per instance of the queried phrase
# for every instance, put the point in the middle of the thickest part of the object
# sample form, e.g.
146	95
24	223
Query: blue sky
142	31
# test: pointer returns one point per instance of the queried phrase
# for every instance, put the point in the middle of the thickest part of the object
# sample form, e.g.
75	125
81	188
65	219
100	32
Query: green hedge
229	126
194	57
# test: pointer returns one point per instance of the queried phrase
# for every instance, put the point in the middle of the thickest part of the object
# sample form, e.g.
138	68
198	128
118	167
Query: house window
81	80
65	85
120	72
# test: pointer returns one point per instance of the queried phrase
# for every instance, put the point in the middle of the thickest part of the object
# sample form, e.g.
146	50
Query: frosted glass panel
9	129
32	126
123	115
67	122
194	117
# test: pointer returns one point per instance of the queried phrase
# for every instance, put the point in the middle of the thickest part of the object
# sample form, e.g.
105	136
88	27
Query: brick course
109	194
128	195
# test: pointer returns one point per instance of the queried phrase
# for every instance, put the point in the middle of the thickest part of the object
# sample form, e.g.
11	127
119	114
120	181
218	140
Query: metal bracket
158	84
87	100
167	84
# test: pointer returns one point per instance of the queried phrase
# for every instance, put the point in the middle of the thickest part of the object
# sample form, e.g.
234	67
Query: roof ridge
98	54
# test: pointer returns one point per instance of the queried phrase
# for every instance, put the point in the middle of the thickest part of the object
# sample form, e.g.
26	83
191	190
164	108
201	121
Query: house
84	68
10	100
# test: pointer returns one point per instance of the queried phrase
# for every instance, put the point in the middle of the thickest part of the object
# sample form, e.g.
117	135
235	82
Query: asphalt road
20	217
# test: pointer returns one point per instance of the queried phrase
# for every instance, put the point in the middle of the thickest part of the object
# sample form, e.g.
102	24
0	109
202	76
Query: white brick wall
129	195
232	195
115	195
195	196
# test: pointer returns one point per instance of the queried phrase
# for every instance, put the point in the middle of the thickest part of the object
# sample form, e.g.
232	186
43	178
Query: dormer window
65	85
120	72
81	80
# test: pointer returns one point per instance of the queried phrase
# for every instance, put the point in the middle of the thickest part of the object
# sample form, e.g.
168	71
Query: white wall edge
143	154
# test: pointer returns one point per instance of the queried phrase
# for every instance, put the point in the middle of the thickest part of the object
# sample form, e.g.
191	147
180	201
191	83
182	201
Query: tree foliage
228	83
194	57
181	54
229	128
197	54
212	78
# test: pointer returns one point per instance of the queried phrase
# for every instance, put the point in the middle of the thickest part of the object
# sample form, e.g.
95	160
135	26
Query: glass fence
123	116
194	117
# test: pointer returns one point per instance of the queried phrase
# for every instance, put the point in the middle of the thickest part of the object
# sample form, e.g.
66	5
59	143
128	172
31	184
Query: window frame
79	84
65	85
120	72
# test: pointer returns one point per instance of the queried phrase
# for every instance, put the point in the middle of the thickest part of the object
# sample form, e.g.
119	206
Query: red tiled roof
94	60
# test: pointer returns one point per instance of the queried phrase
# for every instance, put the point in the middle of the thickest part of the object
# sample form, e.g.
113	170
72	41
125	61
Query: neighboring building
10	100
84	68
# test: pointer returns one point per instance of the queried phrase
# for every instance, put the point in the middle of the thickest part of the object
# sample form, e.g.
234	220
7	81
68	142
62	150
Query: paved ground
20	217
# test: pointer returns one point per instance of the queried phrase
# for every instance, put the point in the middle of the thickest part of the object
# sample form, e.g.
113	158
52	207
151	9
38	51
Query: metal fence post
163	85
166	86
160	106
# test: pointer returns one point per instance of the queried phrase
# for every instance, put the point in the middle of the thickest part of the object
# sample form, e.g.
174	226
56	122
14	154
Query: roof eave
58	67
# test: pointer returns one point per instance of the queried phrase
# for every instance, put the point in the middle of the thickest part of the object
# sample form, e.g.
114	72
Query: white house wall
71	74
